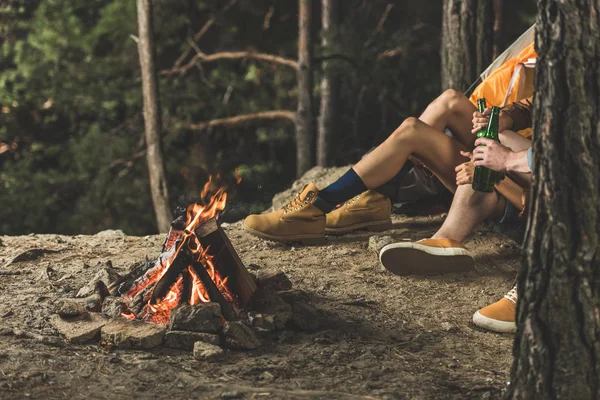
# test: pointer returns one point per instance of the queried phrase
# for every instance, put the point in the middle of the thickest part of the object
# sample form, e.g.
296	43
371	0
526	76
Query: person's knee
452	99
406	130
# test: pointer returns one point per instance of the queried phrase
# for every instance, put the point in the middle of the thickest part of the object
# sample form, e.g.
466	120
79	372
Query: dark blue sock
345	188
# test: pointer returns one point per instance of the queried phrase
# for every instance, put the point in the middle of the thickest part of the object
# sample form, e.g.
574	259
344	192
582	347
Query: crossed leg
424	139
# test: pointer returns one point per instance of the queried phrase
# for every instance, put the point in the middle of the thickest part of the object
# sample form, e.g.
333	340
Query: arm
517	115
498	157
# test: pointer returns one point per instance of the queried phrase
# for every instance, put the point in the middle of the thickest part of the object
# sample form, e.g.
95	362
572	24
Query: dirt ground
381	336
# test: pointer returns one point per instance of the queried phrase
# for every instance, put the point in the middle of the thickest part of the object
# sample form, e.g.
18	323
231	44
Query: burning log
226	258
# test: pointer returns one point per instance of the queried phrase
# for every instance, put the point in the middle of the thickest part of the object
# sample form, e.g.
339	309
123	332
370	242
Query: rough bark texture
330	83
304	121
499	45
557	347
152	120
467	41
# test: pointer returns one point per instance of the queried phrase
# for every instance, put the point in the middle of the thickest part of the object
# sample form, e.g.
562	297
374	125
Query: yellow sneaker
297	221
369	210
499	317
426	257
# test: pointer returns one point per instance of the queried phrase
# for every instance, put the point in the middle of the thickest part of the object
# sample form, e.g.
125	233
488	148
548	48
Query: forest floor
381	336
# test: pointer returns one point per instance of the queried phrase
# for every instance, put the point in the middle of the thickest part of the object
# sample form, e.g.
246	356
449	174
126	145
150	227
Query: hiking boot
369	210
297	221
426	257
500	316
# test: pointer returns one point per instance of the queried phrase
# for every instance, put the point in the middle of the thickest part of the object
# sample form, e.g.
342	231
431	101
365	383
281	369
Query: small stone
265	322
207	352
274	281
203	317
67	288
273	304
113	306
69	308
185	340
81	328
107	275
376	243
448	327
239	336
133	334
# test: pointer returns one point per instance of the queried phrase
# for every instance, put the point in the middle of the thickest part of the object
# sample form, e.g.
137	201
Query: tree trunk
467	41
330	83
304	120
499	45
152	119
557	346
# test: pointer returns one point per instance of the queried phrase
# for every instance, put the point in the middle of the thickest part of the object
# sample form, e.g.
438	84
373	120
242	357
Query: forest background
71	124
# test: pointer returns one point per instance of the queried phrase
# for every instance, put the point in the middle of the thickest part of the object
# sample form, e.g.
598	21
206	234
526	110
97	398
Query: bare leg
469	207
436	150
452	110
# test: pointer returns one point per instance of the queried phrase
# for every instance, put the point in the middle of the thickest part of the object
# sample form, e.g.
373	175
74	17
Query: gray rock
113	306
203	317
107	274
376	243
185	340
274	281
81	328
207	352
110	233
240	336
264	322
133	334
274	305
70	307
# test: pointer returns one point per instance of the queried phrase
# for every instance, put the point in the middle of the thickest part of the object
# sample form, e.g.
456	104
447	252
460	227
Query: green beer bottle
481	106
484	178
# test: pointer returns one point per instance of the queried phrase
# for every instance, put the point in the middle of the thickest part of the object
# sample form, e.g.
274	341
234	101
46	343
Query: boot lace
297	203
512	295
352	200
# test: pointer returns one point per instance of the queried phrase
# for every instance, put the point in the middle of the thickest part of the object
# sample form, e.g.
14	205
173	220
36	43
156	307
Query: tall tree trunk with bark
152	119
330	83
499	45
305	132
557	346
467	41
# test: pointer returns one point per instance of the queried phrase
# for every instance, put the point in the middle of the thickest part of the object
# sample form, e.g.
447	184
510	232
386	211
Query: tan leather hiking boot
298	221
369	210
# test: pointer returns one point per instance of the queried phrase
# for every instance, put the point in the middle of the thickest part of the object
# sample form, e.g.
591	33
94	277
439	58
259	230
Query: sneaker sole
416	259
304	239
493	325
374	226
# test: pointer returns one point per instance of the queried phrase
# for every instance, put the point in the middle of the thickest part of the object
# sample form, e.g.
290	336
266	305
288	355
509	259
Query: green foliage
71	126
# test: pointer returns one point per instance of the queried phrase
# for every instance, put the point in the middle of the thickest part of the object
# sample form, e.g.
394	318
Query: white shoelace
512	295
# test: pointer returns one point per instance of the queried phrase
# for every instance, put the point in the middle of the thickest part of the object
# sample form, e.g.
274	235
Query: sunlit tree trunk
305	132
467	41
152	119
330	83
557	346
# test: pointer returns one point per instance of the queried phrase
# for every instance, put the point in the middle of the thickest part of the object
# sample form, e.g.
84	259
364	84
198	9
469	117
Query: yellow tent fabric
495	86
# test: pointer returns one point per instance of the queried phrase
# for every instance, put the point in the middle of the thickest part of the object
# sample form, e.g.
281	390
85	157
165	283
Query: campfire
197	265
196	295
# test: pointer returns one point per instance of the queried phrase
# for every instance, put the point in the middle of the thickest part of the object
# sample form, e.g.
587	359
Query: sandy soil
408	337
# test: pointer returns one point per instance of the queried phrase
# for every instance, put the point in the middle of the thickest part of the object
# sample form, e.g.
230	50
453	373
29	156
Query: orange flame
212	202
